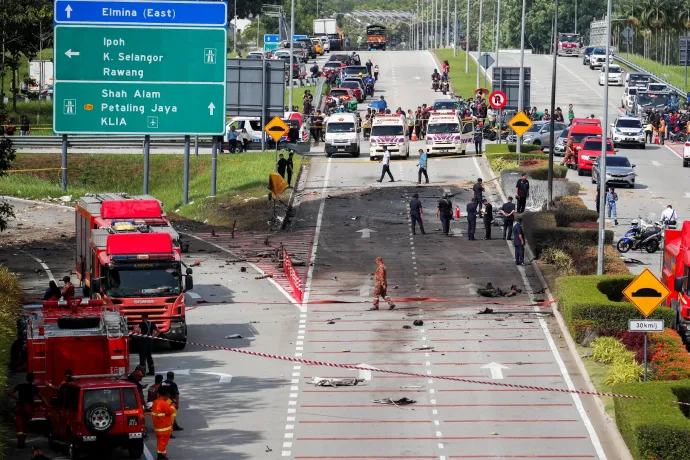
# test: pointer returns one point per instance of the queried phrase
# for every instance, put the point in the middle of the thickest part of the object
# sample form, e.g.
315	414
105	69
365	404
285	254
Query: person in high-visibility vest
662	131
163	412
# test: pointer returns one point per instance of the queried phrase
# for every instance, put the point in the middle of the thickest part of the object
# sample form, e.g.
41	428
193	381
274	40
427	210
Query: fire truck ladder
114	324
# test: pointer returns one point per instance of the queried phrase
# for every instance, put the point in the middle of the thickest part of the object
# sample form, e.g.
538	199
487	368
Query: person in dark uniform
519	242
478	138
25	394
174	394
488	217
508	213
290	166
416	214
445	212
522	192
149	331
478	191
281	165
471	219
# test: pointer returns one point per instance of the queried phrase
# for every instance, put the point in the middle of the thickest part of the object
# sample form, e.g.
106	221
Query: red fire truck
81	335
129	256
675	276
569	44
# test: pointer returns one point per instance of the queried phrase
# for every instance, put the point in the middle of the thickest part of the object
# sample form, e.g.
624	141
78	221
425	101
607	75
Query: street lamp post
552	134
467	39
234	32
292	52
604	136
521	84
455	30
479	40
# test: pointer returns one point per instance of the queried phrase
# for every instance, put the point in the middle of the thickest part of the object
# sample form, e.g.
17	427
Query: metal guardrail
102	141
681	92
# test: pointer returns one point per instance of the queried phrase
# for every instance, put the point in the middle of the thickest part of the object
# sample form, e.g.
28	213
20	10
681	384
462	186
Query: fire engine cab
129	256
569	44
675	276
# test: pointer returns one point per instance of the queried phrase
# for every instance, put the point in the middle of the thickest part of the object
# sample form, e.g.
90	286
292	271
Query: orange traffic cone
414	134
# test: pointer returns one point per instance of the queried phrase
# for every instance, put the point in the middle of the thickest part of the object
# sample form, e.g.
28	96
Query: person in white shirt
386	160
244	139
669	215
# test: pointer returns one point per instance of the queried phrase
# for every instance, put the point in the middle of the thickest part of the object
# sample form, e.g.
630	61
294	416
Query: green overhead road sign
139	108
172	54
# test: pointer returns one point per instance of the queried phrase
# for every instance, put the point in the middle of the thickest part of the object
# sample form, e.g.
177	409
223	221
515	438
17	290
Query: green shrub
570	202
537	172
624	371
510	148
560	259
566	216
607	350
588	298
542	232
655	427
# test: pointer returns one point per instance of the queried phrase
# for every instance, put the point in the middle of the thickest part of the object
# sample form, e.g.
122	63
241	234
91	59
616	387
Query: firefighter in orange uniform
163	413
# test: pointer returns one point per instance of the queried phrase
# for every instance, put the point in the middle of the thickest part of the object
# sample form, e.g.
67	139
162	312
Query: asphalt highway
242	407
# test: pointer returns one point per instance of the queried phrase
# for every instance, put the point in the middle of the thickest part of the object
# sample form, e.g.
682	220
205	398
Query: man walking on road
416	214
508	213
423	159
519	242
488	216
478	191
471	219
381	285
445	212
148	331
386	160
522	192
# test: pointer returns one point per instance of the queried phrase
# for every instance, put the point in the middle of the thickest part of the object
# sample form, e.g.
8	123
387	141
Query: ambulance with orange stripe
446	133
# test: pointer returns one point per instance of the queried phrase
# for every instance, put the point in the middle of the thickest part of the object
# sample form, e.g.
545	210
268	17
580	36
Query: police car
627	129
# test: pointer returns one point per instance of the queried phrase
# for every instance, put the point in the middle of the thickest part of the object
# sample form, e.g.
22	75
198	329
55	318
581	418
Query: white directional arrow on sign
224	378
211	107
69	53
496	370
366	232
69	11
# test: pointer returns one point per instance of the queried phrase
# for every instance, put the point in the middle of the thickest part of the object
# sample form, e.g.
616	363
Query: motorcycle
444	87
646	236
434	85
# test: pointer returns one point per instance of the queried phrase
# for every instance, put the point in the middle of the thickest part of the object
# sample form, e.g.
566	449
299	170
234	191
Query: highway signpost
140	68
271	42
646	292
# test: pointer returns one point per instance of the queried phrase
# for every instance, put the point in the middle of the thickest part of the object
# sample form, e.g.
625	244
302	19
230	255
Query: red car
590	151
345	94
355	87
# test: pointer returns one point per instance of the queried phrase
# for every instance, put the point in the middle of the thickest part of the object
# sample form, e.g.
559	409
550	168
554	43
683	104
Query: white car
628	99
615	75
628	130
654	87
686	154
280	54
598	58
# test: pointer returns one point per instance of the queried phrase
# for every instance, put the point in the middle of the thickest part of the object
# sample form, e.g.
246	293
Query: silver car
561	142
538	134
619	171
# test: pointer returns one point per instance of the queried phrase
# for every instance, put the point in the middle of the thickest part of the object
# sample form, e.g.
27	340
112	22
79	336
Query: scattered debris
196	263
234	261
243	269
65	198
427	347
268	449
411	387
254	322
418	322
540	291
267	275
491	291
493	433
413	314
345	351
407	326
399	402
335	278
233	336
499	319
331	322
486	311
524	321
213	232
334	382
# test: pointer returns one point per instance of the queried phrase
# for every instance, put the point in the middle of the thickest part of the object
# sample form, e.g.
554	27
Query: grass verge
597	373
676	73
241	186
463	83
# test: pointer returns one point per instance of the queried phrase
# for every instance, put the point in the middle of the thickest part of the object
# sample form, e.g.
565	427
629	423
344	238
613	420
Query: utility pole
552	134
292	52
467	40
604	136
455	31
436	24
479	40
440	25
575	16
498	34
521	84
448	23
234	32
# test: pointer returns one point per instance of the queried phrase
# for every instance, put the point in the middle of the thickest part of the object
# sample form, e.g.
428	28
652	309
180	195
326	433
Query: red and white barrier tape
411	374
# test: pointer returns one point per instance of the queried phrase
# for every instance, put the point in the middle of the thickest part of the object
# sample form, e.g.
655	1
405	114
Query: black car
309	46
586	54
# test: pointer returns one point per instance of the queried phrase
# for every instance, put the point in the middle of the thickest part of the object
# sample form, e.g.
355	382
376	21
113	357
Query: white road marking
596	443
317	233
655	163
41	263
496	370
147	453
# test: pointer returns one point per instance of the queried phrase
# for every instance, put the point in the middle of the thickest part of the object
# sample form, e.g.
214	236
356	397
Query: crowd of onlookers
8	126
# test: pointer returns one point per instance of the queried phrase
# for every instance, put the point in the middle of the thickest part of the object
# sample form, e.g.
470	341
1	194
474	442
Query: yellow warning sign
520	123
276	128
646	292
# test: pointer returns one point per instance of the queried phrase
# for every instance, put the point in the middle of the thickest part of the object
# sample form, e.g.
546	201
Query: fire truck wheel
99	418
136	449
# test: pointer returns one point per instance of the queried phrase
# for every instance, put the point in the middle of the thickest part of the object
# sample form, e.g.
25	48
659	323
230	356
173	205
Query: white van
253	127
389	131
446	133
342	134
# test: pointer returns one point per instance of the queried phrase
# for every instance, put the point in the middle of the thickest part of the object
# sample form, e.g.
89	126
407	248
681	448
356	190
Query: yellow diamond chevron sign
646	292
520	123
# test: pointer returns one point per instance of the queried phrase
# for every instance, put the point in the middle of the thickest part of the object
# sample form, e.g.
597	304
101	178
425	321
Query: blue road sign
150	13
271	38
297	37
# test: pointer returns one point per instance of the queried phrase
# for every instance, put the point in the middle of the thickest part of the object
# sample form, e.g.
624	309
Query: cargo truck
129	256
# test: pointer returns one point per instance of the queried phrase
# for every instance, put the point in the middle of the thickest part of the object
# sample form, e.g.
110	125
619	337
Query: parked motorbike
646	236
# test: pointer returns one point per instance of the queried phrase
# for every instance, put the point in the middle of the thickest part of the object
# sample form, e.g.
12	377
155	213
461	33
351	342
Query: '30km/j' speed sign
498	99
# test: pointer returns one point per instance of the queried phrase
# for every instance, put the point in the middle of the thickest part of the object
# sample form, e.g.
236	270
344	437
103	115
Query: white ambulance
389	131
446	133
342	134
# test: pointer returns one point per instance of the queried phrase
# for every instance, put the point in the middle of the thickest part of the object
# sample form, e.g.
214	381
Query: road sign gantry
156	75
